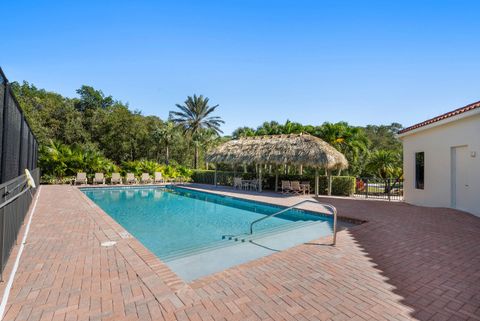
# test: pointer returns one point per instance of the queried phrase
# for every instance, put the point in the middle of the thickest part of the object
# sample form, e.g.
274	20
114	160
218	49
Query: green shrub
59	161
208	177
343	185
141	166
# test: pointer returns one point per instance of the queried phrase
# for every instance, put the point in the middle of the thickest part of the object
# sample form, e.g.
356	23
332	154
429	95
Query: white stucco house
441	160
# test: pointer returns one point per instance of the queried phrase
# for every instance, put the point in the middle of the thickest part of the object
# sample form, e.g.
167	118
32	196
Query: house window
419	170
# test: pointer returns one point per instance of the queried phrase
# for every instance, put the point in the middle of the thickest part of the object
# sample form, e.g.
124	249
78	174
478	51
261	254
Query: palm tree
269	128
167	134
383	163
54	158
195	115
207	139
349	140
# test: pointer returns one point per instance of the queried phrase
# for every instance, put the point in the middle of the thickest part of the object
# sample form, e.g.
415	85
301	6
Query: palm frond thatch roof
293	149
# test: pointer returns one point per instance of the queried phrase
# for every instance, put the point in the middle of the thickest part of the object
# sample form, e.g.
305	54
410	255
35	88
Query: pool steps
232	240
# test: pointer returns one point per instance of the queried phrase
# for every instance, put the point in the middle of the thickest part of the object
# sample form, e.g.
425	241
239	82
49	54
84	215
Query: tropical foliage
95	132
59	161
384	164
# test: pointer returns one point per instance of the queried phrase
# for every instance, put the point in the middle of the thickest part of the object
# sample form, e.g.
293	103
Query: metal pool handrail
329	206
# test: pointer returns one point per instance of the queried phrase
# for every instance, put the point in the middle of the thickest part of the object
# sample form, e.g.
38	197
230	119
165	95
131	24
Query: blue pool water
169	220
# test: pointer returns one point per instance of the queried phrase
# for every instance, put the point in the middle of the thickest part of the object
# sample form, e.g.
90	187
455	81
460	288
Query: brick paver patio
406	262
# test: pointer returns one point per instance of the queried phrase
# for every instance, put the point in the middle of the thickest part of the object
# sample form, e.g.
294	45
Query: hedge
341	185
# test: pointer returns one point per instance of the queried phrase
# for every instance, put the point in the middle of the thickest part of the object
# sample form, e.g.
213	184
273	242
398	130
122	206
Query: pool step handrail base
332	208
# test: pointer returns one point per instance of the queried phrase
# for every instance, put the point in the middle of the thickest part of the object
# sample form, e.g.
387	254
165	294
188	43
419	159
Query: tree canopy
107	132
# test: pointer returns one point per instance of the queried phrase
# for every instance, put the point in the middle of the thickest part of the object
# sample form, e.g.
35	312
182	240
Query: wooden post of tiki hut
294	150
276	178
215	177
329	177
260	178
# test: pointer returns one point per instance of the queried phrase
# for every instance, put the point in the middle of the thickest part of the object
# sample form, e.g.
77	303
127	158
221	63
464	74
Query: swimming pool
168	221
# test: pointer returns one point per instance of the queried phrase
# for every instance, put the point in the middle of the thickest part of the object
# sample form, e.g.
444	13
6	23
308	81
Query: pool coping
310	211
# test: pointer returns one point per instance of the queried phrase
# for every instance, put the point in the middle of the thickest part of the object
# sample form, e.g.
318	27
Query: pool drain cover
108	243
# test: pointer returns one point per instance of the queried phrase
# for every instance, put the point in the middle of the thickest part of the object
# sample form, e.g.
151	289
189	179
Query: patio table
247	183
305	188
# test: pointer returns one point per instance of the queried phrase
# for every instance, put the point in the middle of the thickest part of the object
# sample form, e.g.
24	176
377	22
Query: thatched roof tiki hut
295	149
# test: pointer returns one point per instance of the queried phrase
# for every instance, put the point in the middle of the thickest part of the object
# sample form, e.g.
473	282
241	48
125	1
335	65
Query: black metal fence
377	188
15	200
18	151
18	145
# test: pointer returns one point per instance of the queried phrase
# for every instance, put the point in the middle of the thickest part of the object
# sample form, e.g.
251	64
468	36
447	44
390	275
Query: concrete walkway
406	262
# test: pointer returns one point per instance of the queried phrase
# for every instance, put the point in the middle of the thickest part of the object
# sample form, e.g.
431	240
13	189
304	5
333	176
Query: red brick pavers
406	262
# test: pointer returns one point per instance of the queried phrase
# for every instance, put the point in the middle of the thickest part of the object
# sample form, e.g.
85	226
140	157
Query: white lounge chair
116	178
158	178
99	179
145	179
81	179
130	179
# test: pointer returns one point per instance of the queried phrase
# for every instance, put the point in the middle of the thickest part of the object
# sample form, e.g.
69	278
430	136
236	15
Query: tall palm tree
194	115
166	134
206	139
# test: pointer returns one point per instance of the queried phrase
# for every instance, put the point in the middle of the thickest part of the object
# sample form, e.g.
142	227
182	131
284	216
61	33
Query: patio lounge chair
130	179
158	178
296	187
80	179
145	179
286	187
116	178
99	179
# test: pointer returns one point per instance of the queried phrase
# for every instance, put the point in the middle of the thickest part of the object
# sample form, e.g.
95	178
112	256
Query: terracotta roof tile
452	113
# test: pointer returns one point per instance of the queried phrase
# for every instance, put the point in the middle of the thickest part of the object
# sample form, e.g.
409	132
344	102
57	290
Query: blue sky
365	62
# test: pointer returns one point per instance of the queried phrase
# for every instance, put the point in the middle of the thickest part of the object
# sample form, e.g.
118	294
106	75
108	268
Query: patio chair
237	182
254	184
99	179
286	187
130	179
306	186
145	179
296	187
158	178
116	178
80	179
